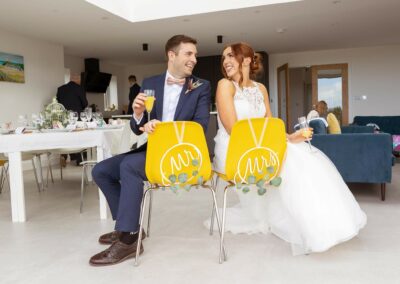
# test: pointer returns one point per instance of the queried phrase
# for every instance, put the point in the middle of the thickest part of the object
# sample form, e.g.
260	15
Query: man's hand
150	126
138	105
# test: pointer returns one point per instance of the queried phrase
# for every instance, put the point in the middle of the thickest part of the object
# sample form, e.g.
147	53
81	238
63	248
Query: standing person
133	92
73	97
313	209
121	177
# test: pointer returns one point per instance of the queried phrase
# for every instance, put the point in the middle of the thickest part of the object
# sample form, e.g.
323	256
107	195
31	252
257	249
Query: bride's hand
301	135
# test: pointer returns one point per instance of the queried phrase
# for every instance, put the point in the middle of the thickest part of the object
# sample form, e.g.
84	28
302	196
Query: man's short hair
132	78
174	42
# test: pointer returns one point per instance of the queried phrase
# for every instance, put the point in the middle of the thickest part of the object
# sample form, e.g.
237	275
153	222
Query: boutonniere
193	85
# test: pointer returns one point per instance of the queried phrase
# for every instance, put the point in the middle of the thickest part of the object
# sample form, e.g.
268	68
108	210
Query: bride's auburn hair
242	50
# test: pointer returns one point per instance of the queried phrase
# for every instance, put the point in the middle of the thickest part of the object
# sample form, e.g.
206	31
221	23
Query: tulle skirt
312	209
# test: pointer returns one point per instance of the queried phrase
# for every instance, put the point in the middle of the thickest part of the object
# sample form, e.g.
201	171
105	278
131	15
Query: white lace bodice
249	103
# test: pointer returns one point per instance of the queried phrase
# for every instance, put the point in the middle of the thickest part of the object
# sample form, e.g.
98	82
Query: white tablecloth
106	142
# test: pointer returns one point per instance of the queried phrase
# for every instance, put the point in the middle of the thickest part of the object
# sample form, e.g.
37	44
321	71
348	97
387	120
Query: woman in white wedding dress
312	209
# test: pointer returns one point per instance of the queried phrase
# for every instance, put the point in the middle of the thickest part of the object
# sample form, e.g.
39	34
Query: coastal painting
11	68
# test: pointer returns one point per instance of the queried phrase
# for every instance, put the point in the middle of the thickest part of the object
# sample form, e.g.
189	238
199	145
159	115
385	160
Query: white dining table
104	140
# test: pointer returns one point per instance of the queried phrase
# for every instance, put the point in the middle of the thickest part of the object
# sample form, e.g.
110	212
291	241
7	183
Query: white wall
373	72
44	73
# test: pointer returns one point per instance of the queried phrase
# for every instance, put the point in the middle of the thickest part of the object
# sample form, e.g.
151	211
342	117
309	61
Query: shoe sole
129	256
110	243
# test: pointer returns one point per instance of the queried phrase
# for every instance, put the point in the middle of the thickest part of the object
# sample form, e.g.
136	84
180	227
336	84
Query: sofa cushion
318	126
333	124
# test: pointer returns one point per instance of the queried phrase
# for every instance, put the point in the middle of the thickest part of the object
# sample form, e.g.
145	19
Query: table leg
102	198
16	187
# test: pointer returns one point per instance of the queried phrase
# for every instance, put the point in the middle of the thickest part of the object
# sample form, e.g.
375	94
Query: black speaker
92	65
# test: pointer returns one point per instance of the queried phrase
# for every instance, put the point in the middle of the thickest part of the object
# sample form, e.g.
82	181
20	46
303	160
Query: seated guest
320	110
121	177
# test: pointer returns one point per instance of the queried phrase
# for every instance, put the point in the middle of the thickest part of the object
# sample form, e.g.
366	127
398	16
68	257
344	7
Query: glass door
330	84
283	94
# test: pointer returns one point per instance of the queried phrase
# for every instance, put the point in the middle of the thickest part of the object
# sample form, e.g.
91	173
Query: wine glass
306	131
23	120
89	113
72	117
83	118
149	102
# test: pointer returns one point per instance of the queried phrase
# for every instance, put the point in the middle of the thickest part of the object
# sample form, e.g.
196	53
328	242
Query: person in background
320	110
73	97
133	92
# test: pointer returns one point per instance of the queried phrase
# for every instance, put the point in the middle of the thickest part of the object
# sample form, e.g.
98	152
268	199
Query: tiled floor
56	242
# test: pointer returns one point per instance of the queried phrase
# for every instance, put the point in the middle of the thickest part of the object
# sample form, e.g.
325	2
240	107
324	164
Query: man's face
181	63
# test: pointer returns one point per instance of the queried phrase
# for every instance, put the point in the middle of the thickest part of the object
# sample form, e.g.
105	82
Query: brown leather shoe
110	238
116	253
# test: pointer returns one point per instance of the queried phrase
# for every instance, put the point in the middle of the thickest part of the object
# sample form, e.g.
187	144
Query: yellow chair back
256	150
177	154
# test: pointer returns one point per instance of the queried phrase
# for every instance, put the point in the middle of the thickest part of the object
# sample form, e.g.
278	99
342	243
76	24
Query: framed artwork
11	68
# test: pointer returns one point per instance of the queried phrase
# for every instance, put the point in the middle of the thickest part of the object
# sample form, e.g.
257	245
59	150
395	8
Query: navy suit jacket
192	106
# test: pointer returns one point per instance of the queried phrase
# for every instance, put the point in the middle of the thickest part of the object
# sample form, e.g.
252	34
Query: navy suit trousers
121	178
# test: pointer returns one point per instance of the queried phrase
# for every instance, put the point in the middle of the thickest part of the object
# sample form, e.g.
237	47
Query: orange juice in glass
149	102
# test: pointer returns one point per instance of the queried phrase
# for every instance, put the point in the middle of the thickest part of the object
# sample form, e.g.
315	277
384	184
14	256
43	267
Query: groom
179	96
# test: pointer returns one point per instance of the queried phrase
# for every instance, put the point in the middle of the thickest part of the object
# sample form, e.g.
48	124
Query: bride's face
230	64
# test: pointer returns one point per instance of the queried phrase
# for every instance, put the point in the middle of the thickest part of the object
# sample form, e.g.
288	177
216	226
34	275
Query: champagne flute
89	113
72	117
306	131
149	102
84	119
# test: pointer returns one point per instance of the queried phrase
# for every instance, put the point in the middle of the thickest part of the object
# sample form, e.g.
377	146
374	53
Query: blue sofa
387	124
359	157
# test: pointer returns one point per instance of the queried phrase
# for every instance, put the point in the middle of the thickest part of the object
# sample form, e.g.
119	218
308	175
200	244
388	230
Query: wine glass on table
89	113
83	118
306	130
149	102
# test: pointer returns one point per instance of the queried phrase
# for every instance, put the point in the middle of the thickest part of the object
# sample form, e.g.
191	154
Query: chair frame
149	190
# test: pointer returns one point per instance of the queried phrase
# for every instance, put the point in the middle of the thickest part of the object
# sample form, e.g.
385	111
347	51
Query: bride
313	209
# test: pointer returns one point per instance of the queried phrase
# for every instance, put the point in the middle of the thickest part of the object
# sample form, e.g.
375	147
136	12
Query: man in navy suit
179	97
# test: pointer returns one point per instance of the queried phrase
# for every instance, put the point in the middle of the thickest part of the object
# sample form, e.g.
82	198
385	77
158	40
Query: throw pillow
333	124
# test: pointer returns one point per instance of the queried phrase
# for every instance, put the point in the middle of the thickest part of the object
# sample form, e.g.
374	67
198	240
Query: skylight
139	11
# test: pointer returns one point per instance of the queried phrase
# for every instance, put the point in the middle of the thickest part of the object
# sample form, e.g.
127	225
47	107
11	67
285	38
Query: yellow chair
256	151
177	158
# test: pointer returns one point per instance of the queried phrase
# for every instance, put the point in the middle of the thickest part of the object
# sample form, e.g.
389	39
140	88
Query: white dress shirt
170	100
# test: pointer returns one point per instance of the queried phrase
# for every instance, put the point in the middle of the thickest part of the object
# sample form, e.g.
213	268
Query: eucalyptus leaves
180	181
260	184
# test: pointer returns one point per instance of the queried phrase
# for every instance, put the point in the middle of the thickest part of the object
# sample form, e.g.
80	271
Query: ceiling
88	31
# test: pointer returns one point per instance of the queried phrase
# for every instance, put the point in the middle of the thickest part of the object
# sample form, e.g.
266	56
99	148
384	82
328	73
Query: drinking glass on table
83	118
89	113
149	102
306	130
72	117
22	120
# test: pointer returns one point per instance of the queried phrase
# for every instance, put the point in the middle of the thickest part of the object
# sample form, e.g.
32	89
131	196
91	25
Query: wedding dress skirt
312	209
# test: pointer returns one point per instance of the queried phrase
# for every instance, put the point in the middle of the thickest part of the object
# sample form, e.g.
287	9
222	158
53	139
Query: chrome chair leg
215	206
5	168
215	186
149	215
2	179
61	166
139	241
36	177
221	251
82	187
49	170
